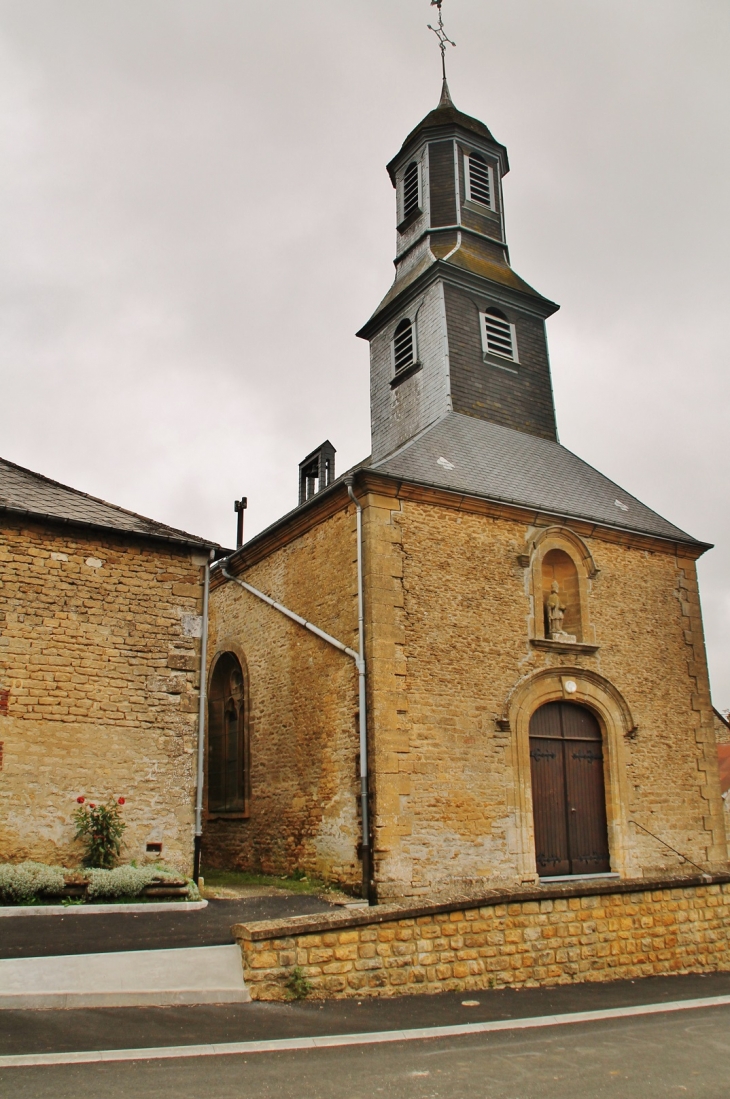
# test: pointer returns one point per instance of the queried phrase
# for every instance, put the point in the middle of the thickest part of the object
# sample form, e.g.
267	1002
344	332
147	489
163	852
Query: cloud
195	219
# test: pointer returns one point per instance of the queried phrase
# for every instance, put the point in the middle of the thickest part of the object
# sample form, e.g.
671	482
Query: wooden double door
568	795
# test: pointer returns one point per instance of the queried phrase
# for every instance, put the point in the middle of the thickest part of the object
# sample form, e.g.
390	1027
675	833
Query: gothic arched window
411	195
226	738
403	345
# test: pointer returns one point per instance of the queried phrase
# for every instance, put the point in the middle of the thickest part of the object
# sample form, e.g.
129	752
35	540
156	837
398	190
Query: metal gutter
201	723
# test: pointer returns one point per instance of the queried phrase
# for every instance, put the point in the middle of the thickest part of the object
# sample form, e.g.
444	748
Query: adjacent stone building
537	694
100	626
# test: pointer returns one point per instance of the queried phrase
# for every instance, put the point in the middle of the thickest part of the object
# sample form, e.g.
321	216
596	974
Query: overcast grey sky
195	218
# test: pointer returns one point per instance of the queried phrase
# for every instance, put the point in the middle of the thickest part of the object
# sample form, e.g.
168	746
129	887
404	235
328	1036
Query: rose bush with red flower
100	828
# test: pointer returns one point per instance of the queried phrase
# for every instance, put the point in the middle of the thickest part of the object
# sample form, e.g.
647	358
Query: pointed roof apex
446	114
445	100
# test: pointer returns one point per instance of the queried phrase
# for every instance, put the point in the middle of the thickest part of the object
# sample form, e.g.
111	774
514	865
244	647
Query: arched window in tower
226	738
498	335
561	597
403	345
479	180
411	190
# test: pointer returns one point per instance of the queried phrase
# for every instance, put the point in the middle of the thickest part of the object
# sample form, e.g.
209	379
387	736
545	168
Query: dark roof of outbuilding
23	492
463	454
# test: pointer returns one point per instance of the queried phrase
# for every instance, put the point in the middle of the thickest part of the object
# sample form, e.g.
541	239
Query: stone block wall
449	611
99	670
454	672
302	704
519	941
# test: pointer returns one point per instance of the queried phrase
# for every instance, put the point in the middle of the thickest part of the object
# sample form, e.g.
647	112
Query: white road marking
277	1045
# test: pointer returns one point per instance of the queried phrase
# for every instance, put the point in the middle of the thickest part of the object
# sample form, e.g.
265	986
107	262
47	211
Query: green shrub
23	883
31	882
298	985
101	828
124	881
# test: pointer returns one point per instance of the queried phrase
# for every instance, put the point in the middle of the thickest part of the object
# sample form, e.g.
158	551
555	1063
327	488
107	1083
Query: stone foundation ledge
547	935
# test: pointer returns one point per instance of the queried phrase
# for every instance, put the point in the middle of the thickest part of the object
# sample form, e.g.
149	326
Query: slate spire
459	330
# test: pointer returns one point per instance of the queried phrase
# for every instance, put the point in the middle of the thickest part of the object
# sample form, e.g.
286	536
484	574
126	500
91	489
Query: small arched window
479	180
403	349
411	196
498	335
226	738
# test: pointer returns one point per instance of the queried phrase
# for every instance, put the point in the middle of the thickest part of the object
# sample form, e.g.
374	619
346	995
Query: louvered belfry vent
480	185
410	190
498	335
403	345
317	471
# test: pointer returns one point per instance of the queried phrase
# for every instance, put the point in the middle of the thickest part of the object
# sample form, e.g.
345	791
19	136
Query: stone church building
532	694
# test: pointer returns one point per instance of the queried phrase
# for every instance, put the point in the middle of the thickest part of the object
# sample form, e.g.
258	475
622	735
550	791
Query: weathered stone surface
93	708
302	709
604	937
453	675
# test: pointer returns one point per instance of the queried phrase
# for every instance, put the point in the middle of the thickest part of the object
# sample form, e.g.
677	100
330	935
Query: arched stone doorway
568	794
227	784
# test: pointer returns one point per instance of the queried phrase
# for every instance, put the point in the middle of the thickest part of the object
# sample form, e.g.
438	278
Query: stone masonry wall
517	943
449	608
302	707
99	658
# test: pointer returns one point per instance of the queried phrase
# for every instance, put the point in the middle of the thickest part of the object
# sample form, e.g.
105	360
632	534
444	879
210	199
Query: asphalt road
687	1053
28	1032
95	933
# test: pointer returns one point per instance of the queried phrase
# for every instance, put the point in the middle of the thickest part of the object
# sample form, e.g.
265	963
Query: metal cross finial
441	35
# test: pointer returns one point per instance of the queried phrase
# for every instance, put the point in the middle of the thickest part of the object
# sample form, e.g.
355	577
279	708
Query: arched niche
562	569
227	748
596	693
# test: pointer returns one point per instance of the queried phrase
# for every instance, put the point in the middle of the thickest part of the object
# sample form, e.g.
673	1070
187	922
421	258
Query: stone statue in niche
555	609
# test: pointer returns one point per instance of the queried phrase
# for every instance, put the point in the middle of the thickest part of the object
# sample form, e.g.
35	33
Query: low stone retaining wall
546	936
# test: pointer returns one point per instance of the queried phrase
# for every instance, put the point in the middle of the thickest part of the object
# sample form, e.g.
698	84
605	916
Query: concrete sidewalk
129	978
26	1032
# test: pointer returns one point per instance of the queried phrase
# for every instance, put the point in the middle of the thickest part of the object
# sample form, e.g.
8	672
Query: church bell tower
459	330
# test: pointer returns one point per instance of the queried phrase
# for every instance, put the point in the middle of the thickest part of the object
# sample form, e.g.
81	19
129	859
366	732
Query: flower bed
36	883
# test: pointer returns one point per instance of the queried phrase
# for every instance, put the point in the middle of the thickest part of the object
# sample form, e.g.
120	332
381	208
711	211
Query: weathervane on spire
441	35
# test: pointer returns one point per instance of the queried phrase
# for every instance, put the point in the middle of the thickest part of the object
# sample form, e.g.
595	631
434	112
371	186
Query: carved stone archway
592	690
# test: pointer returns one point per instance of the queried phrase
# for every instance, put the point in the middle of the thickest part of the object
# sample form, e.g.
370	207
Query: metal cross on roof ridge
441	35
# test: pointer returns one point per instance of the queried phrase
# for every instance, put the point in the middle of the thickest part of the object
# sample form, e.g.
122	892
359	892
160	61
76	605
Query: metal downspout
201	722
362	711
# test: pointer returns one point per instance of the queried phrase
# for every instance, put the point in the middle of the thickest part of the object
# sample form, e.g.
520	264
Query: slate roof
23	492
464	454
446	114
